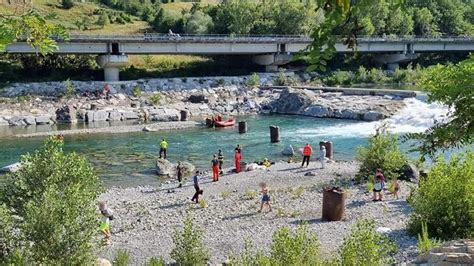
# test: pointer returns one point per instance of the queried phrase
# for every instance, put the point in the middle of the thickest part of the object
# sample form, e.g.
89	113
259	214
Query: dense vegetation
48	211
444	200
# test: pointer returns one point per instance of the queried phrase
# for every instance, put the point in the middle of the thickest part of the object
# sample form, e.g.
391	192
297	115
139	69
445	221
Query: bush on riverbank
381	152
373	76
445	199
189	248
49	212
365	246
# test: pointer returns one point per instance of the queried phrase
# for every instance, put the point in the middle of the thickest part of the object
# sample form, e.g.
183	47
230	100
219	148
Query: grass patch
224	194
249	195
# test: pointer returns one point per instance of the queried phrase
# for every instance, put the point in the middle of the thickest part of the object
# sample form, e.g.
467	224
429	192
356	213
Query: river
126	159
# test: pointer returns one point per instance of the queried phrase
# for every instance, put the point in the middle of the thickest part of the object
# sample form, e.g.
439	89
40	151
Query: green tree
451	85
32	27
189	248
52	199
424	24
103	19
164	21
399	22
444	199
198	23
381	152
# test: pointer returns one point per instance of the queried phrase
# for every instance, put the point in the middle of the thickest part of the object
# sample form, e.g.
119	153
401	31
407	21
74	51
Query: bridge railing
251	38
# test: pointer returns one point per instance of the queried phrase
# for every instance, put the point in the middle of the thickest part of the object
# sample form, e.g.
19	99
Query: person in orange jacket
238	158
215	169
307	151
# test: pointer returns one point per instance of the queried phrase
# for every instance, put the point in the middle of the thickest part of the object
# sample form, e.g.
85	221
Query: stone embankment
162	100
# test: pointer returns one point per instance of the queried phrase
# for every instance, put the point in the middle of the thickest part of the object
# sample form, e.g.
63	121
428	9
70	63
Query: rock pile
458	252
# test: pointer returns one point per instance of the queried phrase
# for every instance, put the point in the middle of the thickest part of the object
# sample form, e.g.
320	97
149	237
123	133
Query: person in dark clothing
220	157
179	173
238	148
199	191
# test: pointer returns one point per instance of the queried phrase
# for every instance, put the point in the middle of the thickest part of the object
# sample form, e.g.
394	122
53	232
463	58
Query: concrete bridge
269	51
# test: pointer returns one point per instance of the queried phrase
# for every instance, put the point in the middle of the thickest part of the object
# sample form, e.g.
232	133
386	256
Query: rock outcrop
458	252
166	168
315	103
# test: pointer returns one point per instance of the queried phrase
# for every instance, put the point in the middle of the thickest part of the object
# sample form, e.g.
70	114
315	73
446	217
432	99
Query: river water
126	159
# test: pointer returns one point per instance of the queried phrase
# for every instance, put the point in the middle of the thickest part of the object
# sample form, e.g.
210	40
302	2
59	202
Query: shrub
364	246
376	76
297	192
382	152
361	75
189	248
203	203
288	248
445	199
136	91
254	80
53	198
122	258
339	78
69	89
224	194
103	19
282	80
155	98
425	243
67	4
156	262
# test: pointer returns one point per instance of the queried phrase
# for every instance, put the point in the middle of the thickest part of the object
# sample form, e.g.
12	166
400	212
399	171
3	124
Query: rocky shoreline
196	104
147	216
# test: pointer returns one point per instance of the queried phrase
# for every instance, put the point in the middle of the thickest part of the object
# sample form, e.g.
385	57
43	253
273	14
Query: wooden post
274	134
242	127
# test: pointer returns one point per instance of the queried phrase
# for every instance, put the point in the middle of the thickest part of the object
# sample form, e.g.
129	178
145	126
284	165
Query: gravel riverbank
118	129
146	216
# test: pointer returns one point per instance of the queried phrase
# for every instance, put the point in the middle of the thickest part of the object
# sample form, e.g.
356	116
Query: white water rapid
416	116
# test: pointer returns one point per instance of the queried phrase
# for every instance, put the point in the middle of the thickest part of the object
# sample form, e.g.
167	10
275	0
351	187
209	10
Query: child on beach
378	185
265	196
107	216
395	187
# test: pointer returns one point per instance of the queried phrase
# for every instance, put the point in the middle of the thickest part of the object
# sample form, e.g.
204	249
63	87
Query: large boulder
317	111
66	114
288	151
115	116
165	114
409	172
16	121
373	116
293	101
10	168
164	167
128	115
188	168
43	120
30	120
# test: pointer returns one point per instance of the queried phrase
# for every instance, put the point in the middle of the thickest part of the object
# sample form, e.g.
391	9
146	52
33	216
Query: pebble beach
145	217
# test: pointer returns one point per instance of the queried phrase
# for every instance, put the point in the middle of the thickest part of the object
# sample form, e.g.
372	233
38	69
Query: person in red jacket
215	169
238	158
307	151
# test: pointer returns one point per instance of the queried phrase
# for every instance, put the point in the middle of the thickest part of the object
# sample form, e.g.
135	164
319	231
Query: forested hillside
415	17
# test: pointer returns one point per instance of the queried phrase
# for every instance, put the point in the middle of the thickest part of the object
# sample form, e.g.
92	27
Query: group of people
217	170
308	151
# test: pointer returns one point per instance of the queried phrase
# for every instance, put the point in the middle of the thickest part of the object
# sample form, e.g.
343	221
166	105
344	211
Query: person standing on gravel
107	216
199	191
265	197
322	156
307	151
238	159
163	148
215	168
378	185
179	173
220	157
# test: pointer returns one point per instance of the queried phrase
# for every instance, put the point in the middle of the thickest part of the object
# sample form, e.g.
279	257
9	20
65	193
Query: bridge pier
111	65
272	61
392	61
